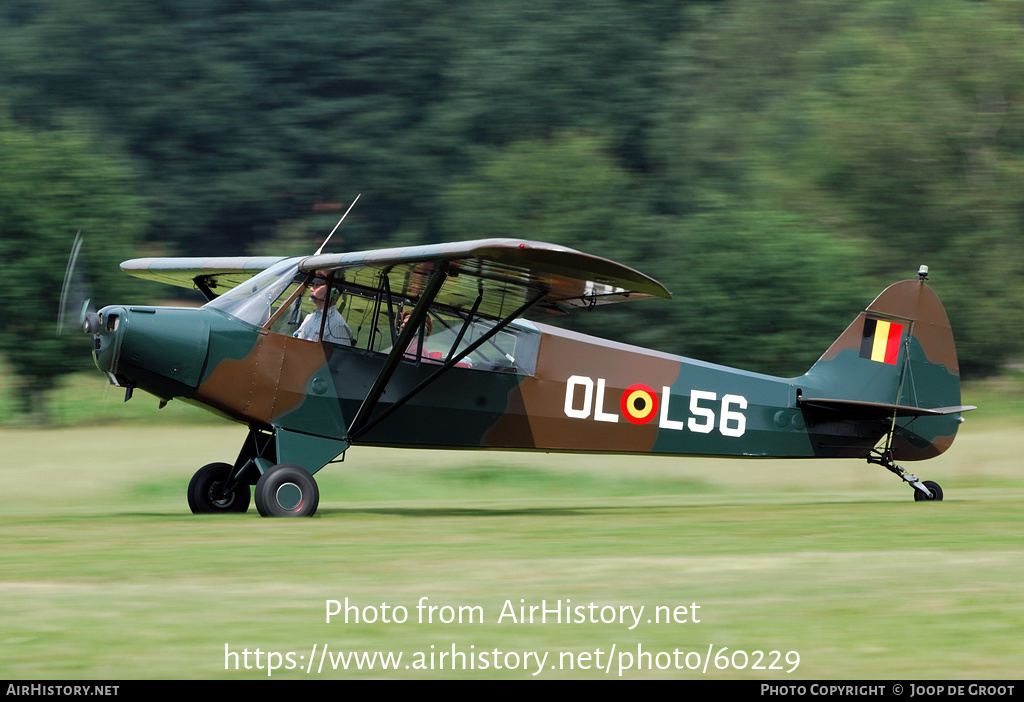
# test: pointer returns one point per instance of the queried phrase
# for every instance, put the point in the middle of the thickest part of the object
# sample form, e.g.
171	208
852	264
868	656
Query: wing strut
419	314
465	326
358	429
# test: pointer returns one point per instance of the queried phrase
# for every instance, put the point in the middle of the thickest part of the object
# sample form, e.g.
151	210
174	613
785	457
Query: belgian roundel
639	404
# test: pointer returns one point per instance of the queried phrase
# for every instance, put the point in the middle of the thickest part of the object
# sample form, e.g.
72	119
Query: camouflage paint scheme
570	392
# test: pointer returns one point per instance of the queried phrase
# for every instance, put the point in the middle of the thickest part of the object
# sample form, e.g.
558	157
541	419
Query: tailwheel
287	490
213	490
924	491
933	487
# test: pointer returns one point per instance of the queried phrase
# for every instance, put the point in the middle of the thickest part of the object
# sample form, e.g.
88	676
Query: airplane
446	348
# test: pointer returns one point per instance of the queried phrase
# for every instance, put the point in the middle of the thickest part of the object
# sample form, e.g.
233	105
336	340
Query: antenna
338	224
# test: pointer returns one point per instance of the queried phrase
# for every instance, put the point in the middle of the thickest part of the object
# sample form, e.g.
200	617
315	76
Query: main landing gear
287	490
212	490
284	490
924	491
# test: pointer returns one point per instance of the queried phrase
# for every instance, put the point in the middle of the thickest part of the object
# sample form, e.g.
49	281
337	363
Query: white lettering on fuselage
640	404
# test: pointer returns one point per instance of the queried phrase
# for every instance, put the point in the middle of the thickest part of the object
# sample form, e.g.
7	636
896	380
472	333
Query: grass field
106	574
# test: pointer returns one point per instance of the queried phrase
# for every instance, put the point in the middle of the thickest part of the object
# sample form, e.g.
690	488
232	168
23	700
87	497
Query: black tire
936	492
287	490
204	491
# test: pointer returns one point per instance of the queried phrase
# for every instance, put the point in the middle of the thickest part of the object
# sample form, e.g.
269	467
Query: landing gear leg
924	491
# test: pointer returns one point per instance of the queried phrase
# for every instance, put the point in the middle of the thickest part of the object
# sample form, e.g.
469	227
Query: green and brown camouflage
471	370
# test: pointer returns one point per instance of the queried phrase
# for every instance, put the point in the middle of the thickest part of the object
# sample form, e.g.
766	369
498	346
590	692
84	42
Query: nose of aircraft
161	350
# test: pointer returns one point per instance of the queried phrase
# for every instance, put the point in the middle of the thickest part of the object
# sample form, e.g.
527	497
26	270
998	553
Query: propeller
76	307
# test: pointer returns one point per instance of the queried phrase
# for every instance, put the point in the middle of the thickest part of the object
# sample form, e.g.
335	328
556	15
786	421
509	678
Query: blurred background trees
51	181
774	164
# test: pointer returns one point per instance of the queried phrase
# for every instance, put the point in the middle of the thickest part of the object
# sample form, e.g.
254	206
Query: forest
774	164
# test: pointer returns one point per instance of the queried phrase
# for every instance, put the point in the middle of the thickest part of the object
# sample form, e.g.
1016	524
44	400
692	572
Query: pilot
336	330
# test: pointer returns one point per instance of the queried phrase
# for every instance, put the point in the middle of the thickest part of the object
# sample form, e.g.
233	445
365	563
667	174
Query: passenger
336	330
416	348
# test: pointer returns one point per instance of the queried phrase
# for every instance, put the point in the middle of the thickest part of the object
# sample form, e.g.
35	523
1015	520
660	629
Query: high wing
492	276
212	276
501	273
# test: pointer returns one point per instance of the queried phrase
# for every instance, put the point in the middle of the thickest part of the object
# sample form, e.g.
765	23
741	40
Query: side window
511	350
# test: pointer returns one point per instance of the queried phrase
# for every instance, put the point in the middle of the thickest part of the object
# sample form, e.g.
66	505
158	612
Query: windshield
252	301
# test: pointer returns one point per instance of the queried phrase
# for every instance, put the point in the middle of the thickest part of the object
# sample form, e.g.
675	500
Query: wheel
204	491
936	492
287	490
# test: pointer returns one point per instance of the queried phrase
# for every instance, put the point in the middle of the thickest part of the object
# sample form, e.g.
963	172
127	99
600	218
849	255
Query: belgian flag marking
881	341
639	404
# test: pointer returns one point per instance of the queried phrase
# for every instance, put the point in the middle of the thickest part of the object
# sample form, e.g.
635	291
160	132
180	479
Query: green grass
88	399
105	574
1000	399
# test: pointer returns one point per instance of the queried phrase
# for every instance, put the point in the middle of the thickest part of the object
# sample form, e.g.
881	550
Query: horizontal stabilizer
882	407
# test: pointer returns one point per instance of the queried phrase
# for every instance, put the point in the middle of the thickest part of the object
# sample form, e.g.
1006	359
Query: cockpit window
260	300
300	306
511	350
367	320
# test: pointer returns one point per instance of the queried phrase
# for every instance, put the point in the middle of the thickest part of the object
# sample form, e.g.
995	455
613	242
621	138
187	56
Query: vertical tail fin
895	364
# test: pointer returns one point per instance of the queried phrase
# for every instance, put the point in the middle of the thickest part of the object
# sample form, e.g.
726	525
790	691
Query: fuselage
564	392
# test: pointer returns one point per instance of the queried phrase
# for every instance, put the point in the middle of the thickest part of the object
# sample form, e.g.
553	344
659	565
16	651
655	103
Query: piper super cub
437	347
